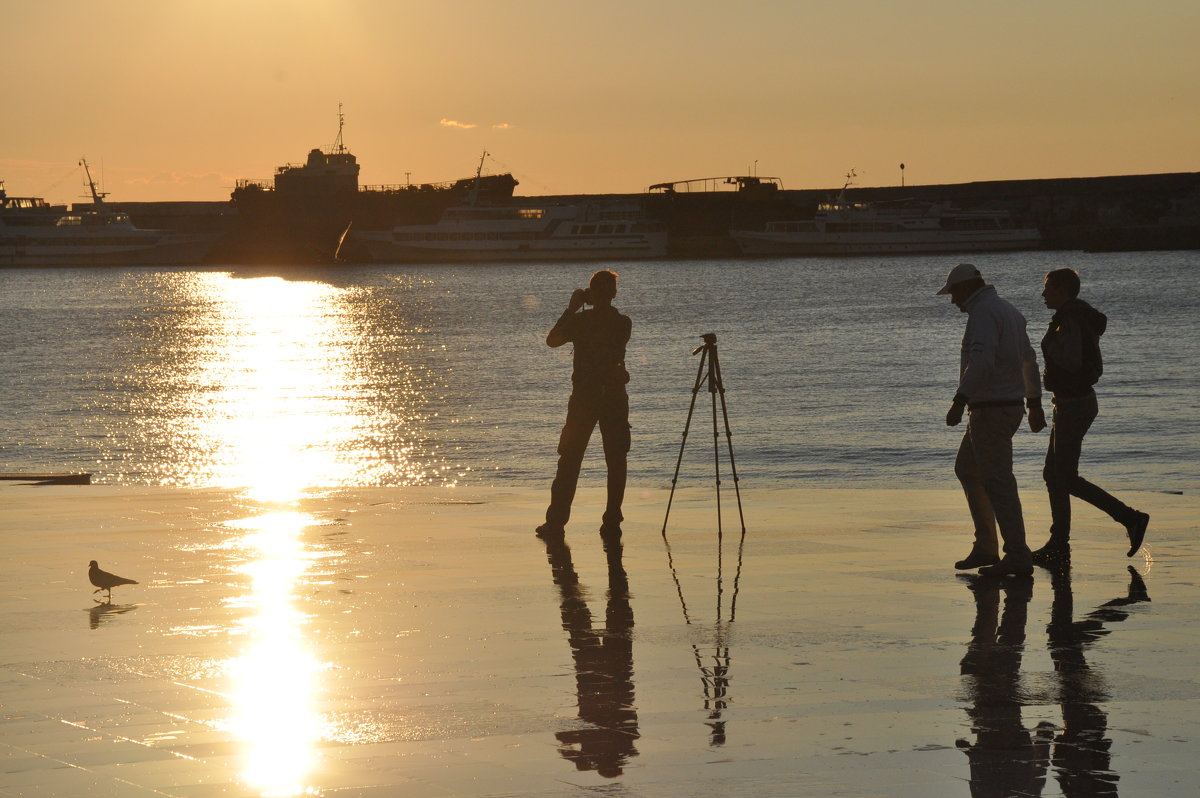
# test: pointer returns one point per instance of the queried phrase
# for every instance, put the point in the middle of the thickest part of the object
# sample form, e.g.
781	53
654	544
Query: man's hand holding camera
579	298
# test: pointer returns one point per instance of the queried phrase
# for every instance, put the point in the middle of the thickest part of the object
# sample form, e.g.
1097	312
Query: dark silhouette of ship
303	214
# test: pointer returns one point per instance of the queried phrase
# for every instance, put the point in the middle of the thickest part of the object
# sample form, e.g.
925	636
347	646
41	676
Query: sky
178	99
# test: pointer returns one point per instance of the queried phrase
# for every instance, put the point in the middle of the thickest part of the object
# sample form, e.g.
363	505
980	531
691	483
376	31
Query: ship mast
338	146
97	196
473	197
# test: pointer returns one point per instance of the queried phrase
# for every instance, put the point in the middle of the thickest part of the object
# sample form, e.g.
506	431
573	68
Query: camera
587	296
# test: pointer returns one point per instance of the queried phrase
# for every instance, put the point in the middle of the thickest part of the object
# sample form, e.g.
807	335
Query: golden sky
176	99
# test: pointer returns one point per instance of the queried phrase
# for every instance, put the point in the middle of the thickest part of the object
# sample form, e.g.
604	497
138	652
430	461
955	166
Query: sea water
837	372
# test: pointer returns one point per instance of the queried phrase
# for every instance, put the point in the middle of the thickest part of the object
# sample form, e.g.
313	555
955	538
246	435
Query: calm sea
838	372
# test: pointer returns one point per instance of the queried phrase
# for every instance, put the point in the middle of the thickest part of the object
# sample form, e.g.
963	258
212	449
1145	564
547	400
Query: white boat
842	227
521	230
518	232
96	236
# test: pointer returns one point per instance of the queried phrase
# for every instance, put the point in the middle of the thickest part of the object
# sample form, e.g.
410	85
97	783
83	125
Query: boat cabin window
791	227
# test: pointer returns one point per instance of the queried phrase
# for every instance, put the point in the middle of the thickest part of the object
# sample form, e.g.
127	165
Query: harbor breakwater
1119	213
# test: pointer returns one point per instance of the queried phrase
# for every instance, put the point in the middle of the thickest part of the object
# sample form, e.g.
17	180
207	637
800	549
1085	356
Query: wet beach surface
422	641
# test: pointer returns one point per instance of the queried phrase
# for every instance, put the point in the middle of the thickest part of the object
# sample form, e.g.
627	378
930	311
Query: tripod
711	376
715	677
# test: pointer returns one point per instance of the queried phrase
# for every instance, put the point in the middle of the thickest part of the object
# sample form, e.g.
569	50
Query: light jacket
998	363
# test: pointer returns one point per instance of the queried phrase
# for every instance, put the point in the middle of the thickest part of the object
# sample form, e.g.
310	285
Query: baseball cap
959	274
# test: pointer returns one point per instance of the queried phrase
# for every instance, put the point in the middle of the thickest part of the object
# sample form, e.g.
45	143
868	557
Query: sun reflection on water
276	675
284	389
281	420
282	386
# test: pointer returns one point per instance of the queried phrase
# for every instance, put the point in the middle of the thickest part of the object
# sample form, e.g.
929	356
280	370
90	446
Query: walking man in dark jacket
1071	353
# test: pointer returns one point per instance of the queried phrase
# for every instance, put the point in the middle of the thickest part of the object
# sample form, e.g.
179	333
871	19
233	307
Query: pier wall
1130	212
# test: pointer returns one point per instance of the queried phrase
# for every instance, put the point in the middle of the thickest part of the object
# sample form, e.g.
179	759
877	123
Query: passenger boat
843	227
521	230
94	236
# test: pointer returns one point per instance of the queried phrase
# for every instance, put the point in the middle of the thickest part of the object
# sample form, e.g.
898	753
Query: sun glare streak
276	675
286	412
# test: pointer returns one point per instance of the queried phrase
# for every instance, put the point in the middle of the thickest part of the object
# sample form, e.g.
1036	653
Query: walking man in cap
1071	352
998	379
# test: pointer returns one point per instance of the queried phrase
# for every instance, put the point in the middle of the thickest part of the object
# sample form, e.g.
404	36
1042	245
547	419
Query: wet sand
422	642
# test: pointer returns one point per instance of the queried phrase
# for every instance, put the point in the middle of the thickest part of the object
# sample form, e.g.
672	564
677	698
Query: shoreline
365	641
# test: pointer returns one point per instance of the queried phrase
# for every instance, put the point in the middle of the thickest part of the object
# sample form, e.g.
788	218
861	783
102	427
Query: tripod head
710	340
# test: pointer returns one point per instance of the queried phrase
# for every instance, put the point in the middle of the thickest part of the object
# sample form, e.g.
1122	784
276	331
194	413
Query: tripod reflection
714	670
1006	758
604	742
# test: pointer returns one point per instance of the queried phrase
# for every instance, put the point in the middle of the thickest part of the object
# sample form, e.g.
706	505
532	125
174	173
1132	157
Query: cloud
455	123
502	126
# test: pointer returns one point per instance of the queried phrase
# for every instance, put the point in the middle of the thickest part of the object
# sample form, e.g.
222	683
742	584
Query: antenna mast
97	196
338	146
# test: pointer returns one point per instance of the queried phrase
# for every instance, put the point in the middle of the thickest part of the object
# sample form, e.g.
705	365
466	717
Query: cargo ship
303	214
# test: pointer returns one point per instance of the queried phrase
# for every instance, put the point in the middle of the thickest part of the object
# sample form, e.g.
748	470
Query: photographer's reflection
1006	757
603	665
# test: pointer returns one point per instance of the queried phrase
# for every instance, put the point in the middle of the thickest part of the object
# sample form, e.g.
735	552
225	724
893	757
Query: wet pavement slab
424	642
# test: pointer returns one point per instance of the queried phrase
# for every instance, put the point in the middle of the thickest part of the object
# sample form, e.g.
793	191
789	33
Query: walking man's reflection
1081	756
1006	758
603	665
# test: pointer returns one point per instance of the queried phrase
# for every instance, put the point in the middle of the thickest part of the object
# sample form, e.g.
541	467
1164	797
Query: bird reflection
603	666
1006	758
101	612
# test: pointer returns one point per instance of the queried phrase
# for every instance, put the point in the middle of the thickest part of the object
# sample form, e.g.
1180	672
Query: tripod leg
719	383
729	440
712	389
700	376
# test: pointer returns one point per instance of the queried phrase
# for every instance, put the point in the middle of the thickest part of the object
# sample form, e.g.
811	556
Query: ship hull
173	253
756	243
383	248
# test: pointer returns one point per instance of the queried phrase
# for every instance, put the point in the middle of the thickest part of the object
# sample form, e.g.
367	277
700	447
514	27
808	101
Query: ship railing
397	188
265	185
708	184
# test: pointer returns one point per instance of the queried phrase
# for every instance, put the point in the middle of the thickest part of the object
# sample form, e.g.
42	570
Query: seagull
103	580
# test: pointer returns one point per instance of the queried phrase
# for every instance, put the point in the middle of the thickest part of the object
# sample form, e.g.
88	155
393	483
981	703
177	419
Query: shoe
1136	529
1053	553
550	531
976	559
1008	567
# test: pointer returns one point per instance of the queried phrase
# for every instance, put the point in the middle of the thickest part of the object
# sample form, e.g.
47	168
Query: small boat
94	236
521	230
843	227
